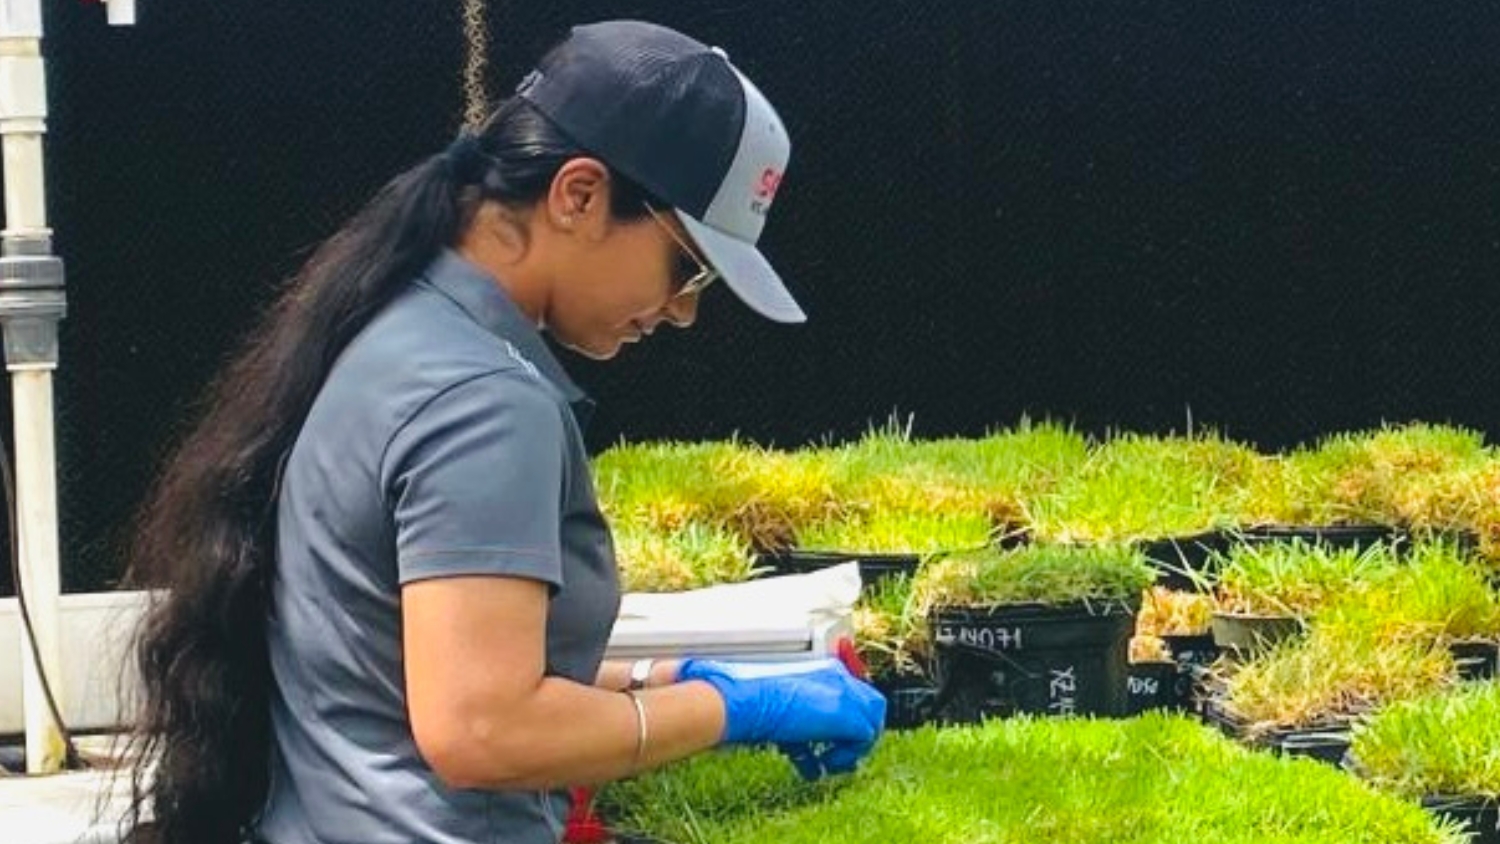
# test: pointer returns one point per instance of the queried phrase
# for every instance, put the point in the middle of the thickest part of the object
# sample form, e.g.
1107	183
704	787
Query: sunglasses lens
684	271
688	273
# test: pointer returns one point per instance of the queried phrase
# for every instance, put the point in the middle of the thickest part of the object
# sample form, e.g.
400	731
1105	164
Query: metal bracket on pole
32	302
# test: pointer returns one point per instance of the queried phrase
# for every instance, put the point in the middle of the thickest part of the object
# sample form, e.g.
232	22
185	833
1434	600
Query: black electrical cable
71	757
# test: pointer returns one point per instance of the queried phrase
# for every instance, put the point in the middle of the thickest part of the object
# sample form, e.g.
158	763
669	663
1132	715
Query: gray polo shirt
444	442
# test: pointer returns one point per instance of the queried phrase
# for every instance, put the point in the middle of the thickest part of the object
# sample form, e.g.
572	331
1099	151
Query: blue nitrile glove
824	718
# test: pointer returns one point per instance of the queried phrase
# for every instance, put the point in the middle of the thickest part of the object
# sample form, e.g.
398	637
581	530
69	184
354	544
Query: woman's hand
824	718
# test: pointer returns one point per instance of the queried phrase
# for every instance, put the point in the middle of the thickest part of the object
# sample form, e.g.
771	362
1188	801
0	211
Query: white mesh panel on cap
739	208
733	222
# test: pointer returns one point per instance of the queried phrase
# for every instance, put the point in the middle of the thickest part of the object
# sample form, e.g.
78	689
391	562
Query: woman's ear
579	198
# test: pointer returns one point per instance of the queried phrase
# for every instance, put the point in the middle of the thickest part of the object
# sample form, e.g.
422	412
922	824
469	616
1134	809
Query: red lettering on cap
770	180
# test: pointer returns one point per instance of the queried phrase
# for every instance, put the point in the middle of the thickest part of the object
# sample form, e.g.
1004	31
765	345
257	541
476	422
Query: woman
390	587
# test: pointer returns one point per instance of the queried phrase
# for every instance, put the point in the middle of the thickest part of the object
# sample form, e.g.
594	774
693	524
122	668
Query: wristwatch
640	672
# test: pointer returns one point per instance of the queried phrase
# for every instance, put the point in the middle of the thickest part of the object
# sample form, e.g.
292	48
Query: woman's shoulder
398	366
418	343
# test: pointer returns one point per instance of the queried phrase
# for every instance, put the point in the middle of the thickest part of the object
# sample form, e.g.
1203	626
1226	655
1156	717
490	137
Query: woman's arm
484	716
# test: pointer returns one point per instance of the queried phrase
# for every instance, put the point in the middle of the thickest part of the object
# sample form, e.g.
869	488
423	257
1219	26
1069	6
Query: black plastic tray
910	701
1069	659
1480	816
1015	628
1192	650
872	567
1476	660
1156	685
1327	743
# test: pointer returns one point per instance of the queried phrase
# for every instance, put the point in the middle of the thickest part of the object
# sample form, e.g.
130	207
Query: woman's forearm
566	733
485	714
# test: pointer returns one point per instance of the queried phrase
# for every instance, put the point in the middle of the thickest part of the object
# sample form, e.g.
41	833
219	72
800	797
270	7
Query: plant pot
872	567
910	700
1198	649
1033	627
1324	743
1246	635
1199	682
1030	658
1009	539
1188	562
1328	745
1155	685
1479	816
1337	537
1476	660
1466	540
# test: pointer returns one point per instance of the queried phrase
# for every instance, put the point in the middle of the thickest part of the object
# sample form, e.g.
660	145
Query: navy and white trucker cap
677	118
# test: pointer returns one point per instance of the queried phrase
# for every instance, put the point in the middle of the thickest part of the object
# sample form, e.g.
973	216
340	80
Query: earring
566	219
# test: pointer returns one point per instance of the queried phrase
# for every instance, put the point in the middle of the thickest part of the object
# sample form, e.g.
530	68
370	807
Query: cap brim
746	271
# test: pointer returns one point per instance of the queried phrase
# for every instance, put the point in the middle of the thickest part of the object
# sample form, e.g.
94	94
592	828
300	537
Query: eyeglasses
690	274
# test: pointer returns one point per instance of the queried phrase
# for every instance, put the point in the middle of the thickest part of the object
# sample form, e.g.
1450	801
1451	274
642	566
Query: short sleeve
475	482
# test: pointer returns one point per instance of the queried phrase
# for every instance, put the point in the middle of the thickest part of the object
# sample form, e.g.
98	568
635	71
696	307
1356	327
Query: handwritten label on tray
987	638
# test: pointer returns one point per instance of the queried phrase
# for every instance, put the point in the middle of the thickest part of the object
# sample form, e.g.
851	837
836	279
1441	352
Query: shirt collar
482	298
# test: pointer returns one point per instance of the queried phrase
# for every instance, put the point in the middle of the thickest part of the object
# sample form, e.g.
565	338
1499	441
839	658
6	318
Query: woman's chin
595	350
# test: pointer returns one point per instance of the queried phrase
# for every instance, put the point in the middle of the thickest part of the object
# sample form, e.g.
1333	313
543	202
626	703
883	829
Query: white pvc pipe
23	116
120	12
21	19
23	122
36	485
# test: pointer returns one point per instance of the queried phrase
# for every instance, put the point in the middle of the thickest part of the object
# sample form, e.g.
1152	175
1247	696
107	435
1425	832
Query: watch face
640	672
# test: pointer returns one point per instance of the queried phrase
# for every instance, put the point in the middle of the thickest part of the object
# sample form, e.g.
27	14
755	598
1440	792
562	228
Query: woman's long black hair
205	538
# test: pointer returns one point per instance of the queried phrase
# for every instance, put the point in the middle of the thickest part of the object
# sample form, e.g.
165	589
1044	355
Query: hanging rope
477	40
